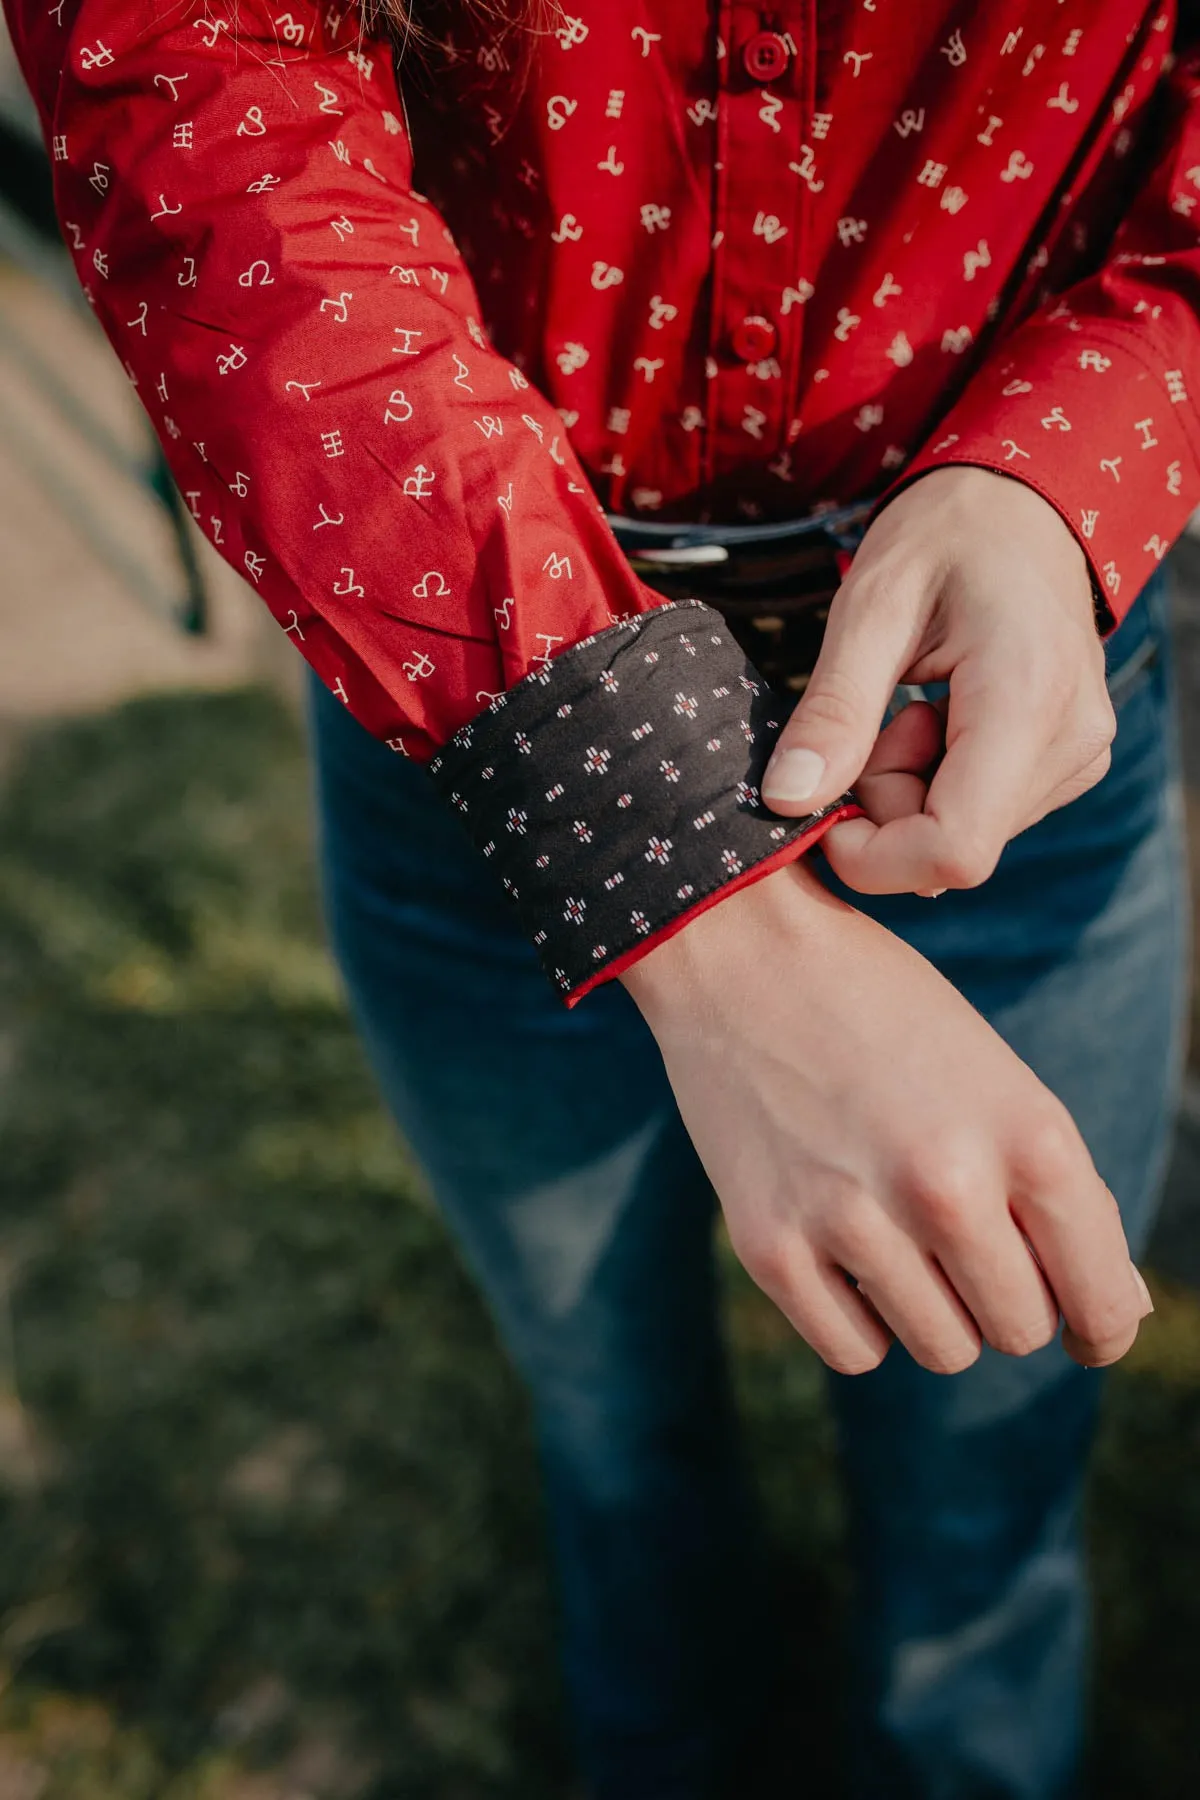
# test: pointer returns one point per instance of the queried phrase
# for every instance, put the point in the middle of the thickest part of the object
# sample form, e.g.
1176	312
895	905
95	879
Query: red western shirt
404	339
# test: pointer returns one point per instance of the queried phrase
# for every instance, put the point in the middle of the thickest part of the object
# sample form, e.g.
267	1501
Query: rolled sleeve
616	791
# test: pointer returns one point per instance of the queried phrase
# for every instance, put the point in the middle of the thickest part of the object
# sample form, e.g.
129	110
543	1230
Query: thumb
825	745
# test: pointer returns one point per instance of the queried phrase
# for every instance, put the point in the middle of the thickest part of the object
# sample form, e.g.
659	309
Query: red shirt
678	261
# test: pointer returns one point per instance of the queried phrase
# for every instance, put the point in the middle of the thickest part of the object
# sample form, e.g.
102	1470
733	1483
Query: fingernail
1144	1291
929	893
793	775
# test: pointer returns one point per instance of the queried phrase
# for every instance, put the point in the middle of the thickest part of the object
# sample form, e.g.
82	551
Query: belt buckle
774	593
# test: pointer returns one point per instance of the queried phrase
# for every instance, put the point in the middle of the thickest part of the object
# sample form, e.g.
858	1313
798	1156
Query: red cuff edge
777	860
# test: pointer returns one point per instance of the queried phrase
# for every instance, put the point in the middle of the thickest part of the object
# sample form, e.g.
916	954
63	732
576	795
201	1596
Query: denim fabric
554	1147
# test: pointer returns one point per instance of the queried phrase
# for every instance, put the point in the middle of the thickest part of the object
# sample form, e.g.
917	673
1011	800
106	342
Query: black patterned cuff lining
618	787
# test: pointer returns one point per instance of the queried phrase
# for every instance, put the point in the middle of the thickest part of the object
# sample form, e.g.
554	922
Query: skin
887	1166
974	579
857	1117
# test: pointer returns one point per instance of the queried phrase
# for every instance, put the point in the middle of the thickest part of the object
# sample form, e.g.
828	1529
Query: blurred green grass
269	1521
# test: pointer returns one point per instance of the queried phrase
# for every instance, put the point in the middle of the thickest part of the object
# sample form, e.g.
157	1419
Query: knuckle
834	698
947	1359
1107	1323
1105	720
1053	1151
1098	1352
1095	734
1111	1323
1025	1338
942	1210
945	1190
966	863
854	1362
763	1259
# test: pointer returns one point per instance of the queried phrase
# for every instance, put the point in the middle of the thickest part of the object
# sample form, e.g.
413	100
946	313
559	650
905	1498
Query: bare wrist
789	905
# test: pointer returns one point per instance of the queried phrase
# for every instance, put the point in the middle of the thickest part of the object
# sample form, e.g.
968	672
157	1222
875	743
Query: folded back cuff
617	788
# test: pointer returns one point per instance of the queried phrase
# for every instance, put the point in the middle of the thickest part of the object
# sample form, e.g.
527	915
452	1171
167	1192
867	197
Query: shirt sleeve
1092	401
237	194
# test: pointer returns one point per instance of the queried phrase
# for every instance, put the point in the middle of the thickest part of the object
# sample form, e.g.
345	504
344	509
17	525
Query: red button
754	339
766	56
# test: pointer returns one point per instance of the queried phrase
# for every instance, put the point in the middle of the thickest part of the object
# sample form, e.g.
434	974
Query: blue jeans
556	1152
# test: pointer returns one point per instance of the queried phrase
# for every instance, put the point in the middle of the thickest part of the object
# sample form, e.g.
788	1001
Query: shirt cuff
1088	419
616	790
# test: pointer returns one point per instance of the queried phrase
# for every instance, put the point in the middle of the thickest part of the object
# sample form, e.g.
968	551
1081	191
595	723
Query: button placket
712	448
805	34
757	227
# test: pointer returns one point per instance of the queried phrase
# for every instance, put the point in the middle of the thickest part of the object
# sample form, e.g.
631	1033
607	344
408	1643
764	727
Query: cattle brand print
666	258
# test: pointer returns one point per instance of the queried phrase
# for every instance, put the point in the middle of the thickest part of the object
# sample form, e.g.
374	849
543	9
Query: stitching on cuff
618	787
791	852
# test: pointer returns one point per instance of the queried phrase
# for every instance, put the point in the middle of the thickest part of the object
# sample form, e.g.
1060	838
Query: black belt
773	583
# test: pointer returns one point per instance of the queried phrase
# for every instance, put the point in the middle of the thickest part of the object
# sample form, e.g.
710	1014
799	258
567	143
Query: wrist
787	909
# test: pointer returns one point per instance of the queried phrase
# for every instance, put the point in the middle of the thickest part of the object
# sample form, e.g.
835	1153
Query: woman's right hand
858	1119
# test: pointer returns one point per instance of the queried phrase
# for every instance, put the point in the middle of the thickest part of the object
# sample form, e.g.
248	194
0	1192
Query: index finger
979	798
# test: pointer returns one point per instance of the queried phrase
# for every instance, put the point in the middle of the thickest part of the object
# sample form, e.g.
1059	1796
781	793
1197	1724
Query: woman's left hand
972	578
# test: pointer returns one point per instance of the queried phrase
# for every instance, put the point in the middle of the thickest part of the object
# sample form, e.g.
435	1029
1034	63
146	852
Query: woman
734	275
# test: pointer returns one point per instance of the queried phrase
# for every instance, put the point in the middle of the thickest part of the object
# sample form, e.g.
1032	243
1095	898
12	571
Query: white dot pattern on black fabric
637	791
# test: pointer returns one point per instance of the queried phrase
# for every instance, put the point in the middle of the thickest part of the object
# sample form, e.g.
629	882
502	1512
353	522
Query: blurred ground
269	1524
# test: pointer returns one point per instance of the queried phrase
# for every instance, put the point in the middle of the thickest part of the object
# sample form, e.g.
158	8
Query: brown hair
404	16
